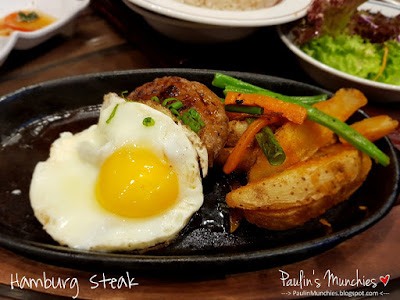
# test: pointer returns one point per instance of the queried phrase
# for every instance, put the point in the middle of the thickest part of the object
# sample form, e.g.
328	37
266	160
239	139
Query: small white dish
194	24
62	10
333	79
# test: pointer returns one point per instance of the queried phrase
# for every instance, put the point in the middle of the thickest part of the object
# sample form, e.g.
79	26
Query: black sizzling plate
33	117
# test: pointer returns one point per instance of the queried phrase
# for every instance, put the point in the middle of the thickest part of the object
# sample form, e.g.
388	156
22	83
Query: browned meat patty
193	95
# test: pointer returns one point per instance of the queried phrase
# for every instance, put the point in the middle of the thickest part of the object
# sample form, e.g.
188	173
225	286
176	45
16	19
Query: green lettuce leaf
350	54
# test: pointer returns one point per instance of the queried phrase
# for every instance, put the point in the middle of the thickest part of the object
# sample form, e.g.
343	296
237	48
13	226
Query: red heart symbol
385	279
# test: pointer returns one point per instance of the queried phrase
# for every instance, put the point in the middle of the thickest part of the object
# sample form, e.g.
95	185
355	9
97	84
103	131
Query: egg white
62	191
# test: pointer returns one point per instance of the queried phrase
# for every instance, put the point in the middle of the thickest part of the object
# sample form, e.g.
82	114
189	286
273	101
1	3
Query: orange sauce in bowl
24	21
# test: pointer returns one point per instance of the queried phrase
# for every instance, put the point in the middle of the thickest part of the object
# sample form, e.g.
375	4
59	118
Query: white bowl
194	24
63	10
333	79
190	32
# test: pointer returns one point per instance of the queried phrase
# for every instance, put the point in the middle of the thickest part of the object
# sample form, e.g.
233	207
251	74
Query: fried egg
121	184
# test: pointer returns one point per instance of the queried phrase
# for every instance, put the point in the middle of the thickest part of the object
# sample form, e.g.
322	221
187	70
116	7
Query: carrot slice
237	153
12	22
384	61
293	112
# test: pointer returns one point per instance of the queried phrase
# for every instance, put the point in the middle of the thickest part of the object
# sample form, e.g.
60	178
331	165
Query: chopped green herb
195	115
193	124
176	105
165	102
112	114
155	98
123	94
30	17
192	119
176	113
148	122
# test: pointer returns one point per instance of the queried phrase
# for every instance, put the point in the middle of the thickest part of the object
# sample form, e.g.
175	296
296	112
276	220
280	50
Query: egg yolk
133	182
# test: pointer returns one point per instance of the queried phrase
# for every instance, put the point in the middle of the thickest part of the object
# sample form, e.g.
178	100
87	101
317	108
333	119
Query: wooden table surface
108	36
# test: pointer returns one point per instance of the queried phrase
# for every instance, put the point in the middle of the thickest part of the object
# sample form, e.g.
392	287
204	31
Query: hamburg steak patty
193	95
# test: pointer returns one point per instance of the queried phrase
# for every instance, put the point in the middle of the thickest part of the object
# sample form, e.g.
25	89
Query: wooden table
107	36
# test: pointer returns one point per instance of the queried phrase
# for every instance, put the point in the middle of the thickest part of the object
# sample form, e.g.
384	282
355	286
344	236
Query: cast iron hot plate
33	117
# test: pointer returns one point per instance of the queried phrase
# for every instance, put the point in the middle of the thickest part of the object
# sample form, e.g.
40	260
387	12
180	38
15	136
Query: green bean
306	100
340	128
349	134
269	145
252	110
223	81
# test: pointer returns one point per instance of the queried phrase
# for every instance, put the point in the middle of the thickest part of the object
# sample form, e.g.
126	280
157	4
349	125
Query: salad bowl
334	79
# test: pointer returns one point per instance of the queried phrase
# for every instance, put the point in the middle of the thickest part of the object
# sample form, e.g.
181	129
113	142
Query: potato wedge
300	142
304	191
374	128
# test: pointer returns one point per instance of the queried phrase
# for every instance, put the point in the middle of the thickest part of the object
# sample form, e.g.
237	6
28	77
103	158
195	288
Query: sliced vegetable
384	61
176	105
269	145
317	116
176	113
112	114
252	110
155	98
195	115
293	112
349	134
148	122
192	119
27	21
301	142
306	100
237	153
166	101
223	81
123	93
28	17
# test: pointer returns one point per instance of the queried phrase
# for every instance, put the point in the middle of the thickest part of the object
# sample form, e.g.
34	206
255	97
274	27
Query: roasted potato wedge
305	190
375	128
300	142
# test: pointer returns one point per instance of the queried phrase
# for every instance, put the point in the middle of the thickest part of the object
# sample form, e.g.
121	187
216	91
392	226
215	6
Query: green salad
356	56
357	42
